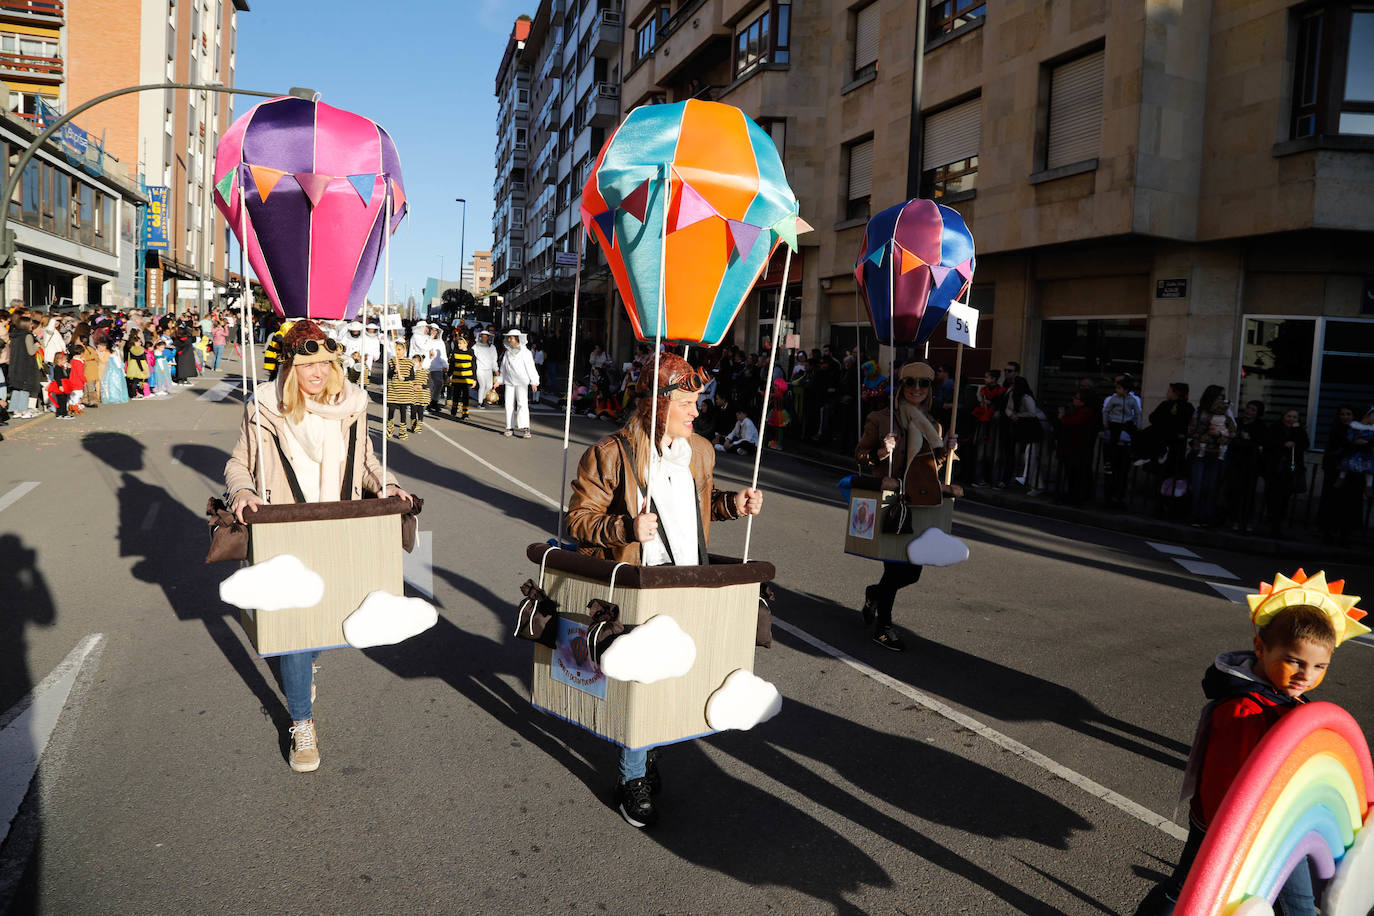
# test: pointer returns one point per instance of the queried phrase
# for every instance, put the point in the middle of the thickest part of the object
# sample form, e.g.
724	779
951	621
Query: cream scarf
920	431
675	495
315	446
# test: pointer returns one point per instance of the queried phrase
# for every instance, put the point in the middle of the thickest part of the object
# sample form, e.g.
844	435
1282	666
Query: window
29	182
1333	71
949	149
1074	131
764	39
946	16
1312	365
860	156
776	128
866	41
1097	348
646	36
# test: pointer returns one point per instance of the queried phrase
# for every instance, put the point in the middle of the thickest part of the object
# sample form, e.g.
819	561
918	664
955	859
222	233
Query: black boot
870	608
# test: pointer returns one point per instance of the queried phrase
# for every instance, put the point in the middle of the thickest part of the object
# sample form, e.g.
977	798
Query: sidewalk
1156	529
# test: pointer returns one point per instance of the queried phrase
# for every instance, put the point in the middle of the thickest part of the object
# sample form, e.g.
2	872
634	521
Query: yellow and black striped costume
271	355
399	394
462	368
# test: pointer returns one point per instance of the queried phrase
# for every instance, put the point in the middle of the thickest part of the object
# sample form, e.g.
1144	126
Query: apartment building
572	48
512	161
1179	191
57	54
479	269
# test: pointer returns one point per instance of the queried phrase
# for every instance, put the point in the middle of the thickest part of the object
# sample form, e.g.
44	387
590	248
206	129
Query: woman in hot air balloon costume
607	516
1297	621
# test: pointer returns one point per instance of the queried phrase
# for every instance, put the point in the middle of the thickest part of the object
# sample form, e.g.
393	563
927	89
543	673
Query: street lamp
462	248
16	174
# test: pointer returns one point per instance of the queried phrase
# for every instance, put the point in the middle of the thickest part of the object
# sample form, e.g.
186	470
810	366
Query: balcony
550	227
28	67
606	34
603	105
50	12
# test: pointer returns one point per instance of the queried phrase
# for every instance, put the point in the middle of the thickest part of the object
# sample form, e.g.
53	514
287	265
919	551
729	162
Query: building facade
57	54
480	270
1181	192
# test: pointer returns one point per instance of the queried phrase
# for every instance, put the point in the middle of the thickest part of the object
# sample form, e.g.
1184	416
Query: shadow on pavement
27	602
172	550
998	691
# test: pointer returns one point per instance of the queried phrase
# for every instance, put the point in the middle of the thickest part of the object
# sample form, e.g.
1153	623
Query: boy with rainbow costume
1298	622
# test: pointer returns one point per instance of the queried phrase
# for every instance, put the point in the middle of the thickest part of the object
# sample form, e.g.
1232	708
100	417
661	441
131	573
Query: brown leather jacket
605	499
922	482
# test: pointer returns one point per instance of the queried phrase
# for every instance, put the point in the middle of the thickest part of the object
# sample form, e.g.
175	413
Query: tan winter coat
605	499
240	472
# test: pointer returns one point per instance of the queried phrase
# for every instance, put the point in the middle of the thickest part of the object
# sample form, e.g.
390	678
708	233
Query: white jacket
518	367
484	356
744	431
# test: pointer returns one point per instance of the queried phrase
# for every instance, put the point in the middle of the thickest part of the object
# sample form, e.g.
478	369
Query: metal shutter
866	37
953	134
1075	126
861	170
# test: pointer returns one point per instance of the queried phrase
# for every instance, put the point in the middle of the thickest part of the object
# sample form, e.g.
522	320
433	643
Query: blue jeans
1205	477
218	352
19	401
295	683
633	763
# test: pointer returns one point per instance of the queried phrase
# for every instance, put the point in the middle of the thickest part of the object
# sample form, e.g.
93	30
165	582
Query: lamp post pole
16	173
462	247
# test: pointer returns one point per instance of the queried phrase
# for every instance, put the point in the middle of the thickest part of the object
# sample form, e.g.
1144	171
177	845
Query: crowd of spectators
68	363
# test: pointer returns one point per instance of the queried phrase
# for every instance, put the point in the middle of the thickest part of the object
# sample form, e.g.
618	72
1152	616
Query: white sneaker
508	432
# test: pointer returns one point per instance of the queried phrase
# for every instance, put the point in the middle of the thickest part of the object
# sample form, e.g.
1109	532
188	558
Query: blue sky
424	70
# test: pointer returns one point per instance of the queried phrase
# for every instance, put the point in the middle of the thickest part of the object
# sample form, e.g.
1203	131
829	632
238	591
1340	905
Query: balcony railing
31	65
606	34
41	9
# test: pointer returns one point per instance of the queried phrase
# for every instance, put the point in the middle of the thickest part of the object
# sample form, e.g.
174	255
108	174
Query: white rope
567	411
659	322
891	353
388	345
542	560
250	355
611	592
858	371
767	387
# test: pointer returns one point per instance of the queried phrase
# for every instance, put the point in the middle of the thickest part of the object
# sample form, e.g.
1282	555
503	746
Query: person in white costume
520	376
485	357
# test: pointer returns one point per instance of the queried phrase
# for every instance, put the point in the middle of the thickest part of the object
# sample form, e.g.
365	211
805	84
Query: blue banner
155	218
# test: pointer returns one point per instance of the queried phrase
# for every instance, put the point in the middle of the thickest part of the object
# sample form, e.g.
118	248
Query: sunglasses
312	346
915	383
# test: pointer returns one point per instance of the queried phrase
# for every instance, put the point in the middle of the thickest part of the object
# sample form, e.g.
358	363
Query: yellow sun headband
1314	591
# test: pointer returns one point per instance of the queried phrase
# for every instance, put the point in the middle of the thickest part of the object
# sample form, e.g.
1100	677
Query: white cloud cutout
742	701
652	651
1351	891
273	585
935	548
384	619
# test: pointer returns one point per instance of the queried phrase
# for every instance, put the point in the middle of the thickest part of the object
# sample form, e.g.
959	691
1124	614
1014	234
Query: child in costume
161	379
607	516
1298	622
462	376
400	391
57	390
520	376
75	384
114	387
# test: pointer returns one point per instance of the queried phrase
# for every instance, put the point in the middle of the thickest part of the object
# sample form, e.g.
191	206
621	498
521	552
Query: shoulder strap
296	493
346	488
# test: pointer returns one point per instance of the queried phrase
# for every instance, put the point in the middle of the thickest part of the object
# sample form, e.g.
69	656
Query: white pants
483	386
517	406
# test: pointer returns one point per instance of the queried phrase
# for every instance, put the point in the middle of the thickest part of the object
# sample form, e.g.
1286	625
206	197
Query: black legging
895	576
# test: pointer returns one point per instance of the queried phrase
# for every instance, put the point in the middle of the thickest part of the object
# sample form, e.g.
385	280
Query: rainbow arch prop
1303	793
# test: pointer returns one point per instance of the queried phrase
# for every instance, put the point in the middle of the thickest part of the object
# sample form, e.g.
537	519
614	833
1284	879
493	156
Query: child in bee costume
462	376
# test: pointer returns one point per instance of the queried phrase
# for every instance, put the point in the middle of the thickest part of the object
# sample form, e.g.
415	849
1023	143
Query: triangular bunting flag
265	179
965	269
876	256
225	186
606	222
939	273
908	261
313	185
363	184
743	236
859	273
803	226
786	228
691	208
636	203
398	197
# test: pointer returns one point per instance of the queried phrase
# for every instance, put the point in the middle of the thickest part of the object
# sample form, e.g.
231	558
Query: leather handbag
228	536
763	634
537	618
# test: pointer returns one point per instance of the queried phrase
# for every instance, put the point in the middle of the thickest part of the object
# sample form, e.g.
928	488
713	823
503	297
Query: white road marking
26	727
1173	550
1134	809
221	391
553	503
16	494
150	517
418	566
1203	568
1138	811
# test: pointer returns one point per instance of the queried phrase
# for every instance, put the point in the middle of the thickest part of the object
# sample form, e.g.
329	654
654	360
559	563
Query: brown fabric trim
268	514
723	571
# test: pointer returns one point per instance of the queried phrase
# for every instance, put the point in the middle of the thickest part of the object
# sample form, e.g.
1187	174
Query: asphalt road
1022	756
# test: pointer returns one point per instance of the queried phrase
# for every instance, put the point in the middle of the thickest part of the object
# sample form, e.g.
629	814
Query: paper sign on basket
961	325
391	321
